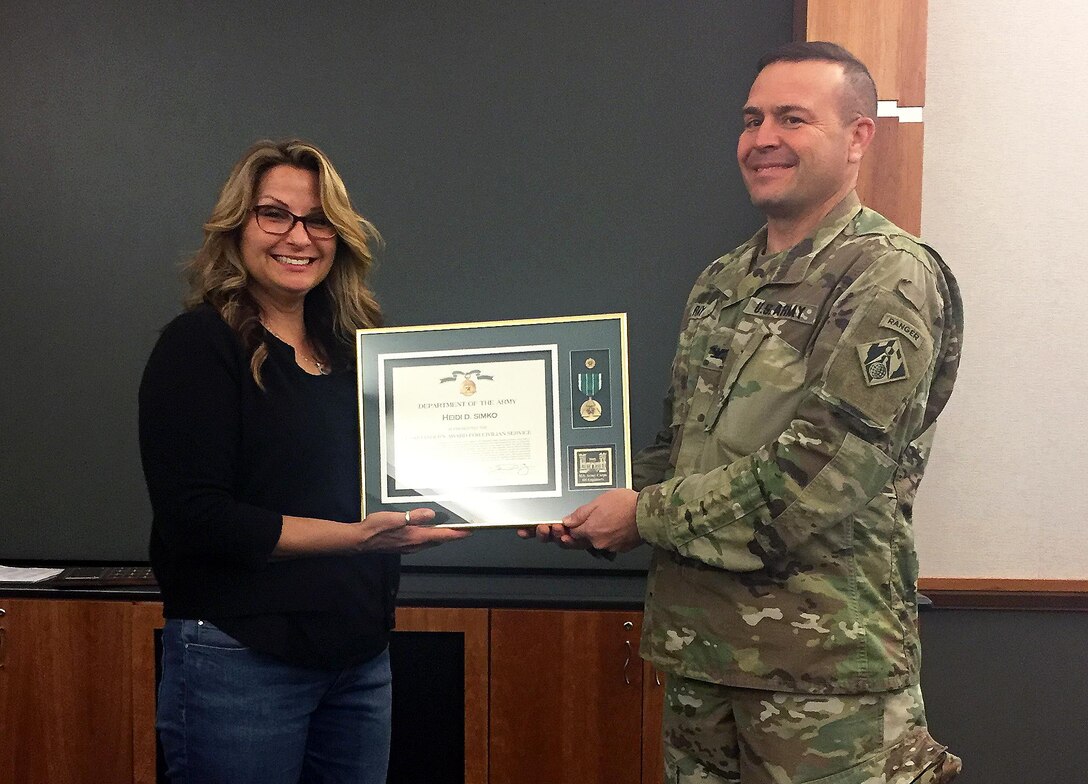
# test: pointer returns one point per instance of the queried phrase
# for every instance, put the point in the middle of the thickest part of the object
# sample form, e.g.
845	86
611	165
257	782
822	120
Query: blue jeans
229	714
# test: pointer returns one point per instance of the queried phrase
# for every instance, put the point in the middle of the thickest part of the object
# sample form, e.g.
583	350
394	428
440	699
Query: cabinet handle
3	647
627	626
3	612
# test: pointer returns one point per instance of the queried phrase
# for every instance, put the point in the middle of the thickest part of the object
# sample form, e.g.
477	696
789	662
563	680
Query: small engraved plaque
592	467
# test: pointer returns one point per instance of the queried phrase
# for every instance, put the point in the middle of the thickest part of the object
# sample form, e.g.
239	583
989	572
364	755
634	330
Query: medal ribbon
589	384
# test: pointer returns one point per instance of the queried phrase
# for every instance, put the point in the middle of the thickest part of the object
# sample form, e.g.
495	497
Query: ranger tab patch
794	311
903	327
882	362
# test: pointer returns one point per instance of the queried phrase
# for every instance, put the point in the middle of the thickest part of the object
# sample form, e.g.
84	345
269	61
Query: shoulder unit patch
882	362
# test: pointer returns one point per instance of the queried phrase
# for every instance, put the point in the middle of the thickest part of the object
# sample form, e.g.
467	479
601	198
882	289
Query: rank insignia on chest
882	362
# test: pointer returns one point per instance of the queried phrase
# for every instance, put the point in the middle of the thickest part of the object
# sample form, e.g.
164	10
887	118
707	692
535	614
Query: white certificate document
470	420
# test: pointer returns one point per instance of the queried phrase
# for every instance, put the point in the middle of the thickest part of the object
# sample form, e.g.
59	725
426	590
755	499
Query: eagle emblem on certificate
468	380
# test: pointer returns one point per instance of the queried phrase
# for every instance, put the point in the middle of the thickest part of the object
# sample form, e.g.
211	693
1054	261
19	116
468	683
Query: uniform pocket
760	393
705	351
917	759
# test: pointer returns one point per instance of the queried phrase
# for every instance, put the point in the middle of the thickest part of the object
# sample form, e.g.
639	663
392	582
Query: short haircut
859	95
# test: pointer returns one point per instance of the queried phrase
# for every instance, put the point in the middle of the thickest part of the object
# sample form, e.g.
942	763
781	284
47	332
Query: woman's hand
396	532
381	532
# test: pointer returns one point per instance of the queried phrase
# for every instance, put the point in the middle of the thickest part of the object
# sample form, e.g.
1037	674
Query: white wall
1003	199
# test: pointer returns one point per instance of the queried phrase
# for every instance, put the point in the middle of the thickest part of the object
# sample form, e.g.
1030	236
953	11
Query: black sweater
224	461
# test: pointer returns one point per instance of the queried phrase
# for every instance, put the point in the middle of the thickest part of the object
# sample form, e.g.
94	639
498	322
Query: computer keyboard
105	575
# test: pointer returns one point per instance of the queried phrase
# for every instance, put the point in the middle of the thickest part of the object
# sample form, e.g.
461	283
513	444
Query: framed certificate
494	424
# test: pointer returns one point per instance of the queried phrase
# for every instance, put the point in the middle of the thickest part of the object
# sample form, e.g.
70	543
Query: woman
278	600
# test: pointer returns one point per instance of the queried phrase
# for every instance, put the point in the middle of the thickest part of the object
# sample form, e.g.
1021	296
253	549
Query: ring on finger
408	516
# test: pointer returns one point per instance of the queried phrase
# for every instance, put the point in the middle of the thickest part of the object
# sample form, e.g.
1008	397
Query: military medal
468	387
590	397
590	384
590	410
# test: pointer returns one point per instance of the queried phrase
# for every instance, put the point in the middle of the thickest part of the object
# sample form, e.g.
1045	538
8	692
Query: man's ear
861	135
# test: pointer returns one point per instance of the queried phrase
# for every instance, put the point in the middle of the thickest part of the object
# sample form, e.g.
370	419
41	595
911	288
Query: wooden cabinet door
566	697
653	702
146	619
7	765
472	624
66	705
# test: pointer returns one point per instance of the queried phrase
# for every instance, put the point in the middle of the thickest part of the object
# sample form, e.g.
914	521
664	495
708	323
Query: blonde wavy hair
334	309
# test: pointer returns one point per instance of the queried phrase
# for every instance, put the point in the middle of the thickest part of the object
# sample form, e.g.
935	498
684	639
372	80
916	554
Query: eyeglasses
276	220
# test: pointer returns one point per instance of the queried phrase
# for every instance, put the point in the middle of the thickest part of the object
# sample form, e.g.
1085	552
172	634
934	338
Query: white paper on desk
28	574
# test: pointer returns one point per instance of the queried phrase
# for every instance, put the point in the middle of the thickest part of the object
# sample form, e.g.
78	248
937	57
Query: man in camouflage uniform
812	364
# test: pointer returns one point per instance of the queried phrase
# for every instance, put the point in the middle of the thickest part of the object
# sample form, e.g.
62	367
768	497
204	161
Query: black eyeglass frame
303	219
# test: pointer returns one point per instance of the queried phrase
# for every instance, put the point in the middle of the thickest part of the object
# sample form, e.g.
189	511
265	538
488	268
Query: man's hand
606	523
554	533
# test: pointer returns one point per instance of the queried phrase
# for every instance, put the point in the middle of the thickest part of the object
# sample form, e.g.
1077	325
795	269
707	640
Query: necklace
321	367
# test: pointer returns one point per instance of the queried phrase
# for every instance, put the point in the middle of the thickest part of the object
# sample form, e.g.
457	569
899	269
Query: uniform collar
790	265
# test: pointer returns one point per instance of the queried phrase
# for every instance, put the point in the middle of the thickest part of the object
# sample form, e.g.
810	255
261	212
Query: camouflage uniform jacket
778	498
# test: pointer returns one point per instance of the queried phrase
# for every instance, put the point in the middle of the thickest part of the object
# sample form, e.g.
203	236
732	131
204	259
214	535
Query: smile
292	260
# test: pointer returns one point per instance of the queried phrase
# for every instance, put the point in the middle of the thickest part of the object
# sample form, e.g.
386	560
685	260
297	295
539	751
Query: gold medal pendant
590	410
468	387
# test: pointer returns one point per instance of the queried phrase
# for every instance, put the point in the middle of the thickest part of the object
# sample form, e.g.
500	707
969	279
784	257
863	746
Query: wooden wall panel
890	180
889	36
